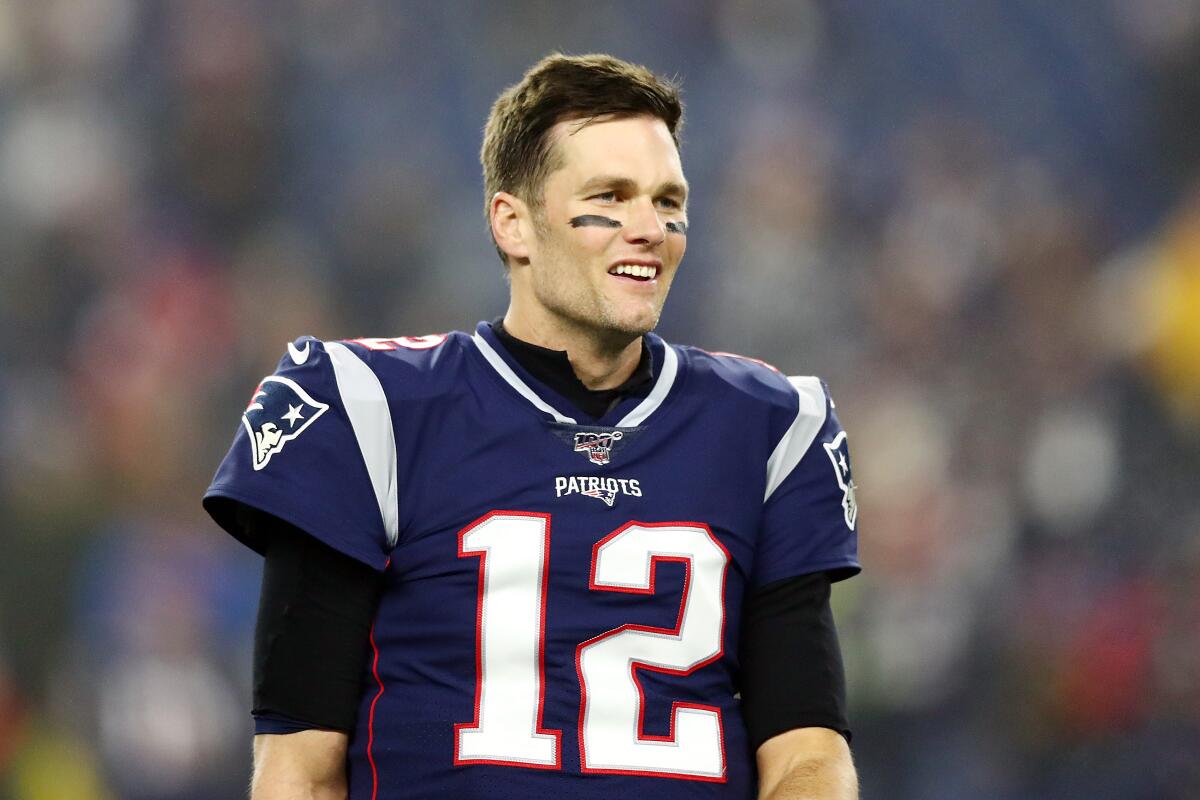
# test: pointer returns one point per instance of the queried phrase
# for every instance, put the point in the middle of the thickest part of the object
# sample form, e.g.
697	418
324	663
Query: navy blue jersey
562	596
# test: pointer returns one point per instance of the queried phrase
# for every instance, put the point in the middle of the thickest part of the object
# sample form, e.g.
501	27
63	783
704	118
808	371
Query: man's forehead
616	144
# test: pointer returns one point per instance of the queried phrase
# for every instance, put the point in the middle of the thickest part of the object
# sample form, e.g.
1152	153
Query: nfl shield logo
598	446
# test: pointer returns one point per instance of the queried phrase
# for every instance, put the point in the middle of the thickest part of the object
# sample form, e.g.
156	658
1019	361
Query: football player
556	556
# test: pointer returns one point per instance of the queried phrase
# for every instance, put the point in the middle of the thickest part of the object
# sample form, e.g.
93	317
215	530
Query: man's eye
669	202
605	197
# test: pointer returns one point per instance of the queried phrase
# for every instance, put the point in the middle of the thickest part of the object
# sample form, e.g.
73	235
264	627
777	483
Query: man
544	559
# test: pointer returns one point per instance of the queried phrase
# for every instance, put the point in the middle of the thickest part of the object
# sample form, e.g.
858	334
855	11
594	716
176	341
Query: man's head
583	180
518	151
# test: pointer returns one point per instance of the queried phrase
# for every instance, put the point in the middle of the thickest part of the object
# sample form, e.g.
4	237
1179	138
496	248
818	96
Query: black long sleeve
314	620
791	663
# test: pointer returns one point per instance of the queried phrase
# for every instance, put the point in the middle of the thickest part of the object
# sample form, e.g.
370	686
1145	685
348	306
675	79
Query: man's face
616	206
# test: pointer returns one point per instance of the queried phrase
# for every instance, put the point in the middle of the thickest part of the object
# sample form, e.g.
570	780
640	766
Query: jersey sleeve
315	448
810	517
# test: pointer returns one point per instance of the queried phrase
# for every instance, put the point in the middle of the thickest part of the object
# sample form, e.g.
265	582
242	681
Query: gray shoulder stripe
514	380
666	379
371	419
810	418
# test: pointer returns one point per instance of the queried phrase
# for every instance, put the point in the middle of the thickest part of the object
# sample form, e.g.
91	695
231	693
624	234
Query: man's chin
635	326
635	320
616	326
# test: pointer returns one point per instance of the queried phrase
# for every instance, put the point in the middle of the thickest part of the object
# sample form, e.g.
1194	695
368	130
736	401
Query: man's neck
598	364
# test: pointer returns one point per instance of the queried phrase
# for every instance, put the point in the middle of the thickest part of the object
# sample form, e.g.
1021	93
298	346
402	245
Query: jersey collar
552	370
499	359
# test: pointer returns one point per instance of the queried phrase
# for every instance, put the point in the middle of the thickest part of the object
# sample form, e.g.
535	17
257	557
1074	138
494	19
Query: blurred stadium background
979	221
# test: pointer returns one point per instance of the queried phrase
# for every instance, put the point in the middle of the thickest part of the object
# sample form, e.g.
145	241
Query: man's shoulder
422	360
426	351
746	376
394	367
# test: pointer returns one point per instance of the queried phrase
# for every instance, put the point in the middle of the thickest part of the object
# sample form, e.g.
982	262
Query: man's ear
512	225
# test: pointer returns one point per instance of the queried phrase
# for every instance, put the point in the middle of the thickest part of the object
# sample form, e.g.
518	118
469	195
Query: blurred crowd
978	221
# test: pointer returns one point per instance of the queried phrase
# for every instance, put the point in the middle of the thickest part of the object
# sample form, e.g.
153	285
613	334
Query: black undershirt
317	605
553	368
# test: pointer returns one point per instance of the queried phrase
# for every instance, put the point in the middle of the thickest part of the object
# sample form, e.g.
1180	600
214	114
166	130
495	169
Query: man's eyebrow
673	188
615	182
622	184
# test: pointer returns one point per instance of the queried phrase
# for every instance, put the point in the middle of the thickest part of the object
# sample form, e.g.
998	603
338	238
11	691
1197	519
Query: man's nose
644	226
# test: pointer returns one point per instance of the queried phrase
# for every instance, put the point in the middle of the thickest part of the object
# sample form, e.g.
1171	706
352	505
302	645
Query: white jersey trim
810	418
666	379
371	420
514	380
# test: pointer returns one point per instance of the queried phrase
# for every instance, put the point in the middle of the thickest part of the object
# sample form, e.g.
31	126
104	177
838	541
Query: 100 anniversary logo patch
597	445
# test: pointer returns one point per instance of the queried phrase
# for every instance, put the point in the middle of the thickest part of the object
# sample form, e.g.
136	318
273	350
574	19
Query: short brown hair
516	154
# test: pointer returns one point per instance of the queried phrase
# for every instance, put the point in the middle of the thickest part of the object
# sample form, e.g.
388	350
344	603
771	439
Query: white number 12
514	550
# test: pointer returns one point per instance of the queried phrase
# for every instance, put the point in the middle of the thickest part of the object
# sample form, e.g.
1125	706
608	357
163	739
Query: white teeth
634	270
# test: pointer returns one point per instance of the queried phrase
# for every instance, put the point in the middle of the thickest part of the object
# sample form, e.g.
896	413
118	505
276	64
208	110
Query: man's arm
309	765
806	764
310	651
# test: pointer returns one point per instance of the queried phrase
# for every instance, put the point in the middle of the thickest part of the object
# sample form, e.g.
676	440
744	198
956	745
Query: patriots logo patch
607	495
839	455
279	411
606	490
598	446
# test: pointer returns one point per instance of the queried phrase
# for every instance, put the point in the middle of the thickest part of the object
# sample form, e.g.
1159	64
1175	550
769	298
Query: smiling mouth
641	273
